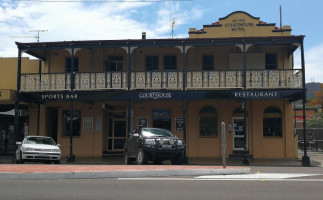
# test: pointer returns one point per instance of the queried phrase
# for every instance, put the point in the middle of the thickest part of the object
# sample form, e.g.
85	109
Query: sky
65	20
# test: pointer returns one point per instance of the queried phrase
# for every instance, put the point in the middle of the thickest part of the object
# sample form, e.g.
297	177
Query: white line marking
241	177
256	176
194	179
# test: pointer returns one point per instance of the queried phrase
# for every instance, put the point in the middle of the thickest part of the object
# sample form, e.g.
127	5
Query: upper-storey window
152	63
271	61
68	65
114	64
170	63
208	62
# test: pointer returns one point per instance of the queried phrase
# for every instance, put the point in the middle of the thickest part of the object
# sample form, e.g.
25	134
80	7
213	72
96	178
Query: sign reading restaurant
255	94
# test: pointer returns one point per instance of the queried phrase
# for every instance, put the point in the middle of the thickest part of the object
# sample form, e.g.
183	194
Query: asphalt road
264	183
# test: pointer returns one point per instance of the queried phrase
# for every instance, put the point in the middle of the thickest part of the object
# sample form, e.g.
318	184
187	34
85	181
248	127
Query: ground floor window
162	119
76	121
272	122
208	122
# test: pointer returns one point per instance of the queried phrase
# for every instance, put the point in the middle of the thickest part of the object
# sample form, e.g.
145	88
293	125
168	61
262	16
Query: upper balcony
195	80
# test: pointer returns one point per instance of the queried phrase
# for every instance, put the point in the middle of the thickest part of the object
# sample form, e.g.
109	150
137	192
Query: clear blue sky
126	20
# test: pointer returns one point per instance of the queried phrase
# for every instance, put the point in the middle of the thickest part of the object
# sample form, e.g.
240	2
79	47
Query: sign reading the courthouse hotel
238	25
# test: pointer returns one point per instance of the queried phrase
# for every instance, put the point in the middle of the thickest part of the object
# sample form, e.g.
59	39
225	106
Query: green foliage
315	121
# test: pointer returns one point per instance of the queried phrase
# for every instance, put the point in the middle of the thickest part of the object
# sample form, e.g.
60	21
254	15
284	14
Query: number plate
167	146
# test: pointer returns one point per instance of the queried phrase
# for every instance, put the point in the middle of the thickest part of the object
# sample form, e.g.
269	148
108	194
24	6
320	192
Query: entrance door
117	131
238	134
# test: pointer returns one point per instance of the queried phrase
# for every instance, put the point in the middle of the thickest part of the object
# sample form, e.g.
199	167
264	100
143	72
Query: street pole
223	145
305	159
71	156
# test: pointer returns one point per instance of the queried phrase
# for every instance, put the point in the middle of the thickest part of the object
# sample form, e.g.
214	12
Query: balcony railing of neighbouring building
195	80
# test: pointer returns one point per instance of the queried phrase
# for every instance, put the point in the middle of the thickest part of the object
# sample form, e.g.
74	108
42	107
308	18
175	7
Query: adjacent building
238	70
8	87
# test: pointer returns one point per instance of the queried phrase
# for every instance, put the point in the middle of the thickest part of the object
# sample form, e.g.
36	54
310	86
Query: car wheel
141	157
126	158
21	161
158	162
178	160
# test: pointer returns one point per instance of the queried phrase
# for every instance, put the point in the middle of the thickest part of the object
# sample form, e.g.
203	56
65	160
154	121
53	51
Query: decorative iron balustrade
83	81
157	80
195	80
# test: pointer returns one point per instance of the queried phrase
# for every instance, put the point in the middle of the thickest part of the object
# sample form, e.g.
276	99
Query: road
263	183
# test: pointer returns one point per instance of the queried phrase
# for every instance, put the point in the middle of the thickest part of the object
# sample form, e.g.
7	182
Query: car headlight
28	149
161	141
171	141
150	141
179	142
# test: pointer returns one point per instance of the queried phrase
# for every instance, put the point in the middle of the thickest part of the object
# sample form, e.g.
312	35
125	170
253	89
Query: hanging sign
179	121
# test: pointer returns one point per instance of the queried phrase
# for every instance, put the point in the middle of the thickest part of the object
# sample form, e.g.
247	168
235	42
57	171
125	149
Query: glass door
117	131
239	134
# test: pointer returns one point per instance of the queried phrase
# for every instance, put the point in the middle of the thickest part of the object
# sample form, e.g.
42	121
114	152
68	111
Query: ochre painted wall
8	68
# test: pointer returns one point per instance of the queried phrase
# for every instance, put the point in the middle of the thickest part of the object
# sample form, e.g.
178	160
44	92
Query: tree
315	121
318	100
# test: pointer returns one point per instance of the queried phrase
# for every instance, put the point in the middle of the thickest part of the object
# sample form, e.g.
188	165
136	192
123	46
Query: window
115	64
76	123
162	119
152	63
208	122
208	62
271	61
170	63
272	122
68	65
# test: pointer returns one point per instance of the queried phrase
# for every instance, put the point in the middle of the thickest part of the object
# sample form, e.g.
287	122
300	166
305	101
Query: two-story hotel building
238	70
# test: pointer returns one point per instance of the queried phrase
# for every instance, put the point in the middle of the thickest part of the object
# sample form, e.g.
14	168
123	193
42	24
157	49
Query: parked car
154	144
38	148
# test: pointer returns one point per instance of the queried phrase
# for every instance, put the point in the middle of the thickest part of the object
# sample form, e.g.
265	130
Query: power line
97	1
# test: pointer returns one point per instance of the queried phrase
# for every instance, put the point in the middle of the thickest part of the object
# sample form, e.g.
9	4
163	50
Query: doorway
239	134
52	123
117	131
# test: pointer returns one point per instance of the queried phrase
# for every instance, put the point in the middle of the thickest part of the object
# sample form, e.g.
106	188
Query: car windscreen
156	132
39	140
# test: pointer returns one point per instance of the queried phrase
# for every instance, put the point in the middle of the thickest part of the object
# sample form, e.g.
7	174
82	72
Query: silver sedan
38	148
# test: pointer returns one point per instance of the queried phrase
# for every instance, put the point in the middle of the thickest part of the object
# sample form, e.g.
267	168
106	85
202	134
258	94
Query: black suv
154	144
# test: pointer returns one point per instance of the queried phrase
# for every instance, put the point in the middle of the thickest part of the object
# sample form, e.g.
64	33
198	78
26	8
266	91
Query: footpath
112	167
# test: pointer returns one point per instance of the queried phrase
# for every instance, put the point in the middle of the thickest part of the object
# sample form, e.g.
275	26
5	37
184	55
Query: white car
38	148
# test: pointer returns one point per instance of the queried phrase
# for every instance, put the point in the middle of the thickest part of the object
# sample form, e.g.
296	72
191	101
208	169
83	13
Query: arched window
272	122
208	122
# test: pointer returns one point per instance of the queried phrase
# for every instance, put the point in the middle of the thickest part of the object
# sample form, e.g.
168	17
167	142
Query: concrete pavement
76	171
